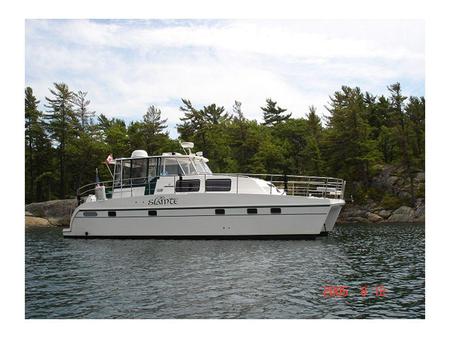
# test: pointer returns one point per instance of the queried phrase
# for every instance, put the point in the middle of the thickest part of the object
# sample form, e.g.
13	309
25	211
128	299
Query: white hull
194	215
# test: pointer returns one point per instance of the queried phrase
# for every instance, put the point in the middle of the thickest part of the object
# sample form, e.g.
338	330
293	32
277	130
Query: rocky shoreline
50	213
377	214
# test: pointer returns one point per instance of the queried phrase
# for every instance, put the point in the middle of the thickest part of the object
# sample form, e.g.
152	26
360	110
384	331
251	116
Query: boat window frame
163	167
117	183
217	188
180	182
140	180
204	169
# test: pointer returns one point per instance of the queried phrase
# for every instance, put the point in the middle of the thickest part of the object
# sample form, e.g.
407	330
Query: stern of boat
335	208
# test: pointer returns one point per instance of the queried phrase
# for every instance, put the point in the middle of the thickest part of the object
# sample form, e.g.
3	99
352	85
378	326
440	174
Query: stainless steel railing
295	185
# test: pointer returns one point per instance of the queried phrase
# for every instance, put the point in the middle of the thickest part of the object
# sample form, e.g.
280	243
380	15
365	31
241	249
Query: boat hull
222	216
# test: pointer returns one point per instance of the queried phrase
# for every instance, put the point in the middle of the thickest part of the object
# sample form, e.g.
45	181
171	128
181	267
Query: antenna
188	146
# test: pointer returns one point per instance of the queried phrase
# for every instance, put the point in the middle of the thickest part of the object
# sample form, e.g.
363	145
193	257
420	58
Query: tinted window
187	185
252	211
117	173
112	213
220	211
218	185
171	167
139	171
126	172
89	213
152	167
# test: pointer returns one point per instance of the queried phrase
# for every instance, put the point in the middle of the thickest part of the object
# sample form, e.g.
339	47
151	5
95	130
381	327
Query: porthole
89	213
275	210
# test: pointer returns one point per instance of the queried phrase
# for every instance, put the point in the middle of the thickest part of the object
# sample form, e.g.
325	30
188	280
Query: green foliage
361	134
274	114
391	202
375	194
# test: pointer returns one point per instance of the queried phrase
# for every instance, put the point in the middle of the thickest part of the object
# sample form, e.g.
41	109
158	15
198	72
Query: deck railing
296	185
312	186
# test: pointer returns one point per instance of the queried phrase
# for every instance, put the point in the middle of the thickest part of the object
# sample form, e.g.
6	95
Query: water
67	278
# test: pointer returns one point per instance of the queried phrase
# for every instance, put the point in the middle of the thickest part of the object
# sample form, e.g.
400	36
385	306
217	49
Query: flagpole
107	166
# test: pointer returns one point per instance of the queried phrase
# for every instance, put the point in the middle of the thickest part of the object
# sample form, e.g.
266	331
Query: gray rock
31	221
355	220
419	213
373	218
27	213
57	212
420	177
392	180
385	213
402	214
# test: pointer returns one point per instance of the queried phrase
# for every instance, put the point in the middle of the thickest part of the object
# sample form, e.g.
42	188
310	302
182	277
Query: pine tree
312	150
237	110
61	123
150	130
35	140
397	101
349	150
415	111
273	114
82	111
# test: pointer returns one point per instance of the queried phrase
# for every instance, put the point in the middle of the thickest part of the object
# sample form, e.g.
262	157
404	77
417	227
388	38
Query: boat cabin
142	172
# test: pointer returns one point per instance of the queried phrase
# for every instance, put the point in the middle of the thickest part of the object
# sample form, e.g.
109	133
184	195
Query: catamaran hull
212	216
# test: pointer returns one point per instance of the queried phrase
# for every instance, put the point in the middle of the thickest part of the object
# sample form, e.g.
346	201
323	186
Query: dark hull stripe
215	207
206	237
158	216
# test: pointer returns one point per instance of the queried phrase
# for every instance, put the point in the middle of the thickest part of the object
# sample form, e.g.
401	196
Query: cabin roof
165	155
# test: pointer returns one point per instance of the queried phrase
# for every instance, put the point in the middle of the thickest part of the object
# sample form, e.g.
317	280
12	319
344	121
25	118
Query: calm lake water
68	278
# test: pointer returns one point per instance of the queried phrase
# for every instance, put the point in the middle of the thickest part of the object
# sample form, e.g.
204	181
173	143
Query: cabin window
117	173
152	213
111	213
152	165
252	211
218	185
201	166
126	172
187	185
187	166
171	167
139	171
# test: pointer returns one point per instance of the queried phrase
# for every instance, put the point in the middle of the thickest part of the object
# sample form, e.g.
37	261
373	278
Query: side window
117	173
218	185
151	167
138	171
187	185
126	172
170	167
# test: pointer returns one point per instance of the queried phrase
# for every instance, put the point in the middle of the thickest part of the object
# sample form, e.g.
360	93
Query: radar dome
139	153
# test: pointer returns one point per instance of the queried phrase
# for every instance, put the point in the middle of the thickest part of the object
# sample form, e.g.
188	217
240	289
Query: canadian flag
109	159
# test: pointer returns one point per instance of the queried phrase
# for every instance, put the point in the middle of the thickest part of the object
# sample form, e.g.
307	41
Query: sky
127	65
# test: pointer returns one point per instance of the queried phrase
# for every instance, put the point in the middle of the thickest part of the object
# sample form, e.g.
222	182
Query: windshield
202	167
187	165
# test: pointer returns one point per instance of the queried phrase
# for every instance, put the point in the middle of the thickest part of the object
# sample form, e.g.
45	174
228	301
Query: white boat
177	196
